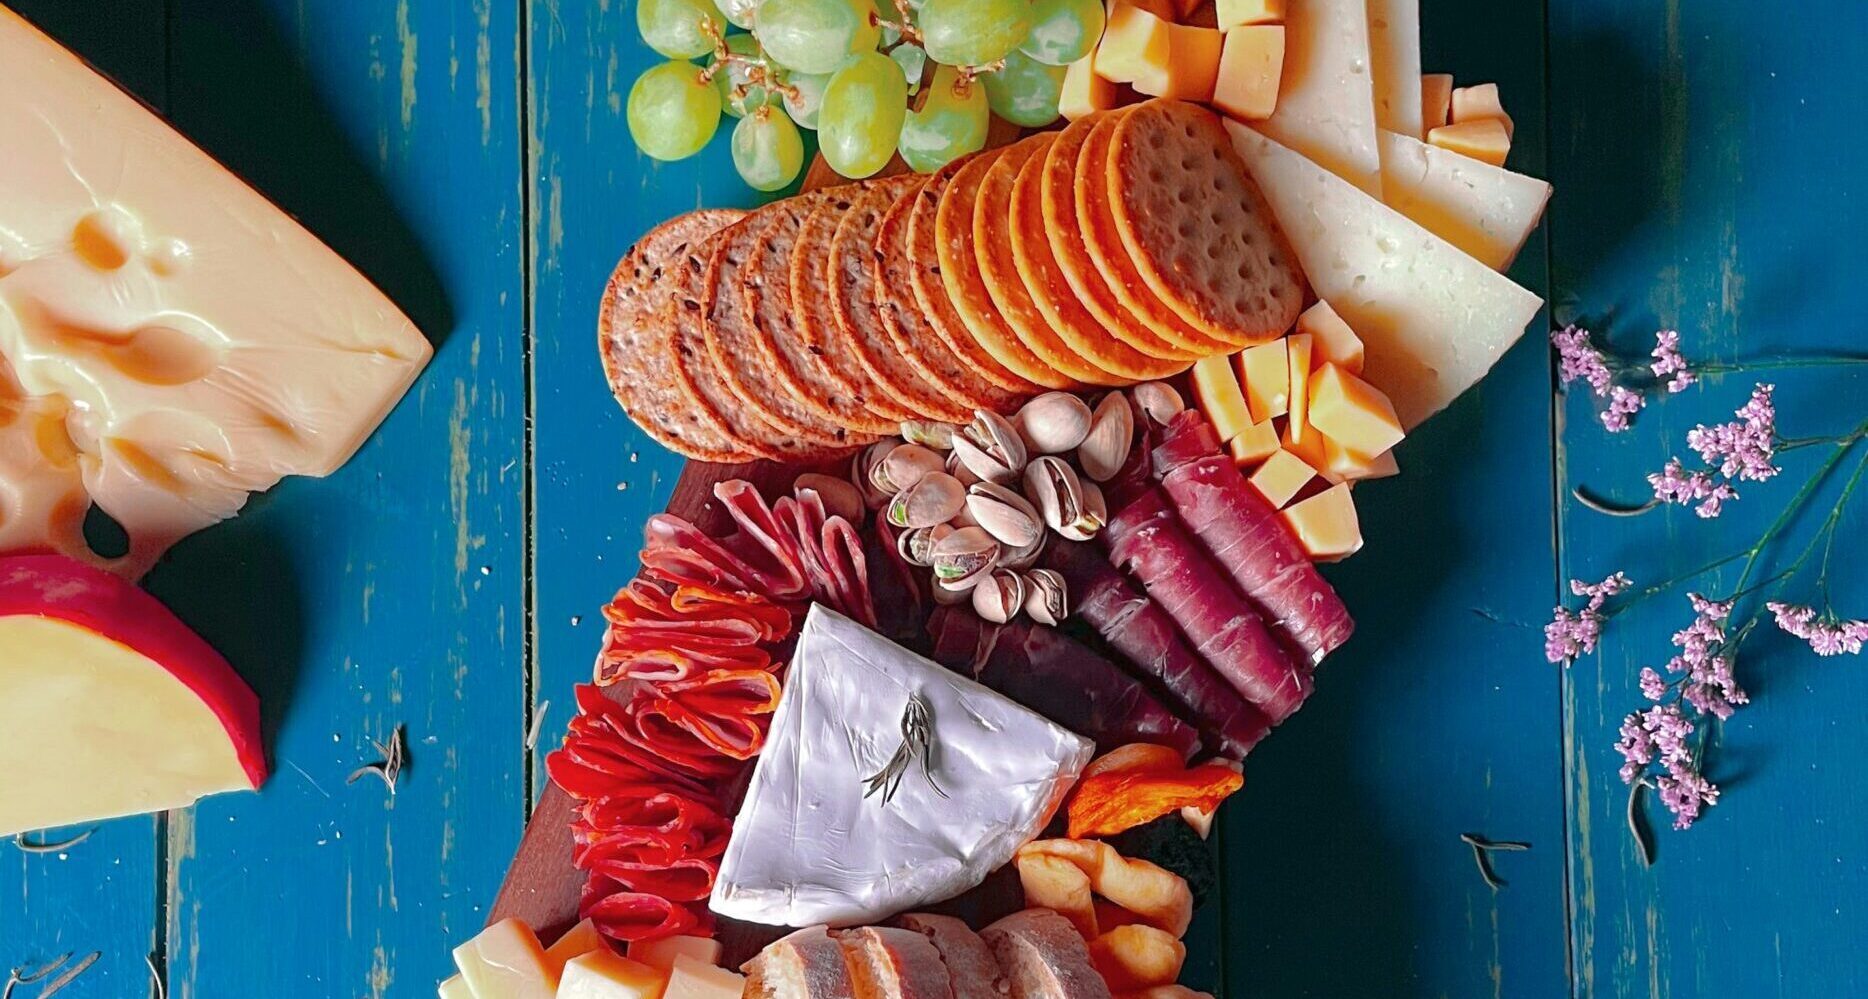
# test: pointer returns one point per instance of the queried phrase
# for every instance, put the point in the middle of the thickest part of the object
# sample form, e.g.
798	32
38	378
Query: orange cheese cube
1085	92
1478	103
1352	412
1216	390
1331	339
506	962
1265	371
1343	465
1309	447
1232	13
693	979
576	942
661	954
1134	48
1192	66
1256	443
1436	99
1483	139
604	974
455	988
1325	524
1297	348
1251	64
1281	476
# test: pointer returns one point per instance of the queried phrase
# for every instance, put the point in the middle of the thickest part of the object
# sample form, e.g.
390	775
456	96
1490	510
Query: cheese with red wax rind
1265	371
1331	339
1433	318
1280	477
663	952
506	962
1191	65
1326	524
1352	413
1232	13
1326	99
1394	58
1479	102
1134	49
1217	391
1251	62
1483	139
1487	211
604	974
110	704
1258	442
693	979
1086	92
1436	100
1298	348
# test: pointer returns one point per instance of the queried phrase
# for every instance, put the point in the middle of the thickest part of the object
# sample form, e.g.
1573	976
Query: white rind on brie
808	848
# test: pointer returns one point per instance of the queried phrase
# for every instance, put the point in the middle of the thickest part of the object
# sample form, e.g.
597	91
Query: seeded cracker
816	316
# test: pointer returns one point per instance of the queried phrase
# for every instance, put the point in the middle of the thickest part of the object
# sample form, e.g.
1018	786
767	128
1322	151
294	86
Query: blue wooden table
471	157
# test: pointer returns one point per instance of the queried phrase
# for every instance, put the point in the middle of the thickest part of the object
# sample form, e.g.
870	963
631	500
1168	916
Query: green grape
1063	31
913	60
767	150
805	97
861	118
815	36
1025	91
679	29
973	32
951	123
740	12
673	111
734	75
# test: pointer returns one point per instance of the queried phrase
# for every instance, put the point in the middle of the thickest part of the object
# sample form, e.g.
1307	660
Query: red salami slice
849	571
626	915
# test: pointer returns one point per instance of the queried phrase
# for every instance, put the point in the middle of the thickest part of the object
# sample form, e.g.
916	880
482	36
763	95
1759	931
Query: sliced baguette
807	964
969	961
1043	957
887	963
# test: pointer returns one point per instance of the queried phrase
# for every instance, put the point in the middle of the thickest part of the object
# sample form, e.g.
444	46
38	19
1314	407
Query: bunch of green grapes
854	72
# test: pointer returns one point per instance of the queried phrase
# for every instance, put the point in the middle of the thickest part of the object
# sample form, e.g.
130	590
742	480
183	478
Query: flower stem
1767	364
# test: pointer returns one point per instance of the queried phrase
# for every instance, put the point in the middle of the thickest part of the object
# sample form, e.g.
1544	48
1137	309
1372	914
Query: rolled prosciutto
1149	542
1059	678
1247	537
1138	628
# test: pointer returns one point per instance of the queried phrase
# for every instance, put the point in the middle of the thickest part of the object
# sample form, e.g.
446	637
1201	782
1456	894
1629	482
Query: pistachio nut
916	546
928	433
1157	401
1047	598
963	558
999	596
1054	422
863	466
991	448
903	466
1004	514
1112	435
933	499
1026	557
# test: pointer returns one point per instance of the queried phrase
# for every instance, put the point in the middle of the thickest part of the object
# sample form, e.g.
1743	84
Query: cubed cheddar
1436	99
576	942
1331	339
1352	412
661	954
1216	390
1084	92
1326	524
1253	445
1297	350
604	974
1265	371
1251	63
1483	139
1134	48
1343	465
1231	13
1281	476
1308	446
693	979
506	962
1479	103
1192	66
455	988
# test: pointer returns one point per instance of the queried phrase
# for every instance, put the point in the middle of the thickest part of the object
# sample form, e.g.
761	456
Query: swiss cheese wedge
1486	210
1394	59
1326	101
1433	319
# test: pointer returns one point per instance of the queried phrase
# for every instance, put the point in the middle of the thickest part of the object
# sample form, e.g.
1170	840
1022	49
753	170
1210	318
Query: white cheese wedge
1326	101
1484	210
1433	319
808	847
1394	51
202	343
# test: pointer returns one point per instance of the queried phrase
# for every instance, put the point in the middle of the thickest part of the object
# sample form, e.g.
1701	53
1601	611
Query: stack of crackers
1121	249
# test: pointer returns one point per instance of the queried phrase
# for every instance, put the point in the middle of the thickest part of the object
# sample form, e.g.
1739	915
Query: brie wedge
808	847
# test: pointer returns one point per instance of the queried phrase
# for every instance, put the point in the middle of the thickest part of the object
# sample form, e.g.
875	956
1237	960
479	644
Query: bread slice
889	963
808	964
1043	957
969	961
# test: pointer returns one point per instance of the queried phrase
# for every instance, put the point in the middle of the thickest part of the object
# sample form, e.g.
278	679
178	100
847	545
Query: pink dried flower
1578	358
1674	484
1652	686
1668	361
1572	634
1636	748
1704	661
1826	635
1743	449
1683	791
1623	405
1661	734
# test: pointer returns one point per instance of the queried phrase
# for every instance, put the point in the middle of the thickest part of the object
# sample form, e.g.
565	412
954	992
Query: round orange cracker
853	299
1058	203
1051	294
1197	228
699	377
1098	223
817	320
931	292
909	326
966	287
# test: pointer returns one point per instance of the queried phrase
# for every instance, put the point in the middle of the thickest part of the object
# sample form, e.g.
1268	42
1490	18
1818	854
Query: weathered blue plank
1345	870
1691	197
391	593
100	895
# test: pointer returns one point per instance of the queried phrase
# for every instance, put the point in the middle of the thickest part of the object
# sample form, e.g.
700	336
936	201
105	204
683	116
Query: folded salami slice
1138	628
1150	543
849	571
621	914
1059	678
1247	537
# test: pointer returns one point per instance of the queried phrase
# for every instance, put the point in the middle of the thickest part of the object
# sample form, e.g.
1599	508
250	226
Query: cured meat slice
897	589
1148	541
1138	628
621	914
849	571
689	879
759	530
708	745
1059	678
761	557
1247	537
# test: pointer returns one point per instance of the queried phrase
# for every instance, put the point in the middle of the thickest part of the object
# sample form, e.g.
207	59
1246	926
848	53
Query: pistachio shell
904	465
1026	557
916	546
963	558
935	498
1004	514
863	467
840	498
1158	401
1055	489
999	596
946	596
1047	598
1112	435
993	448
928	433
1054	422
1092	514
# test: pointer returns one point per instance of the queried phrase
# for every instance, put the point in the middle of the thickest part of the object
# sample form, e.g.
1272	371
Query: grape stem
907	26
967	73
